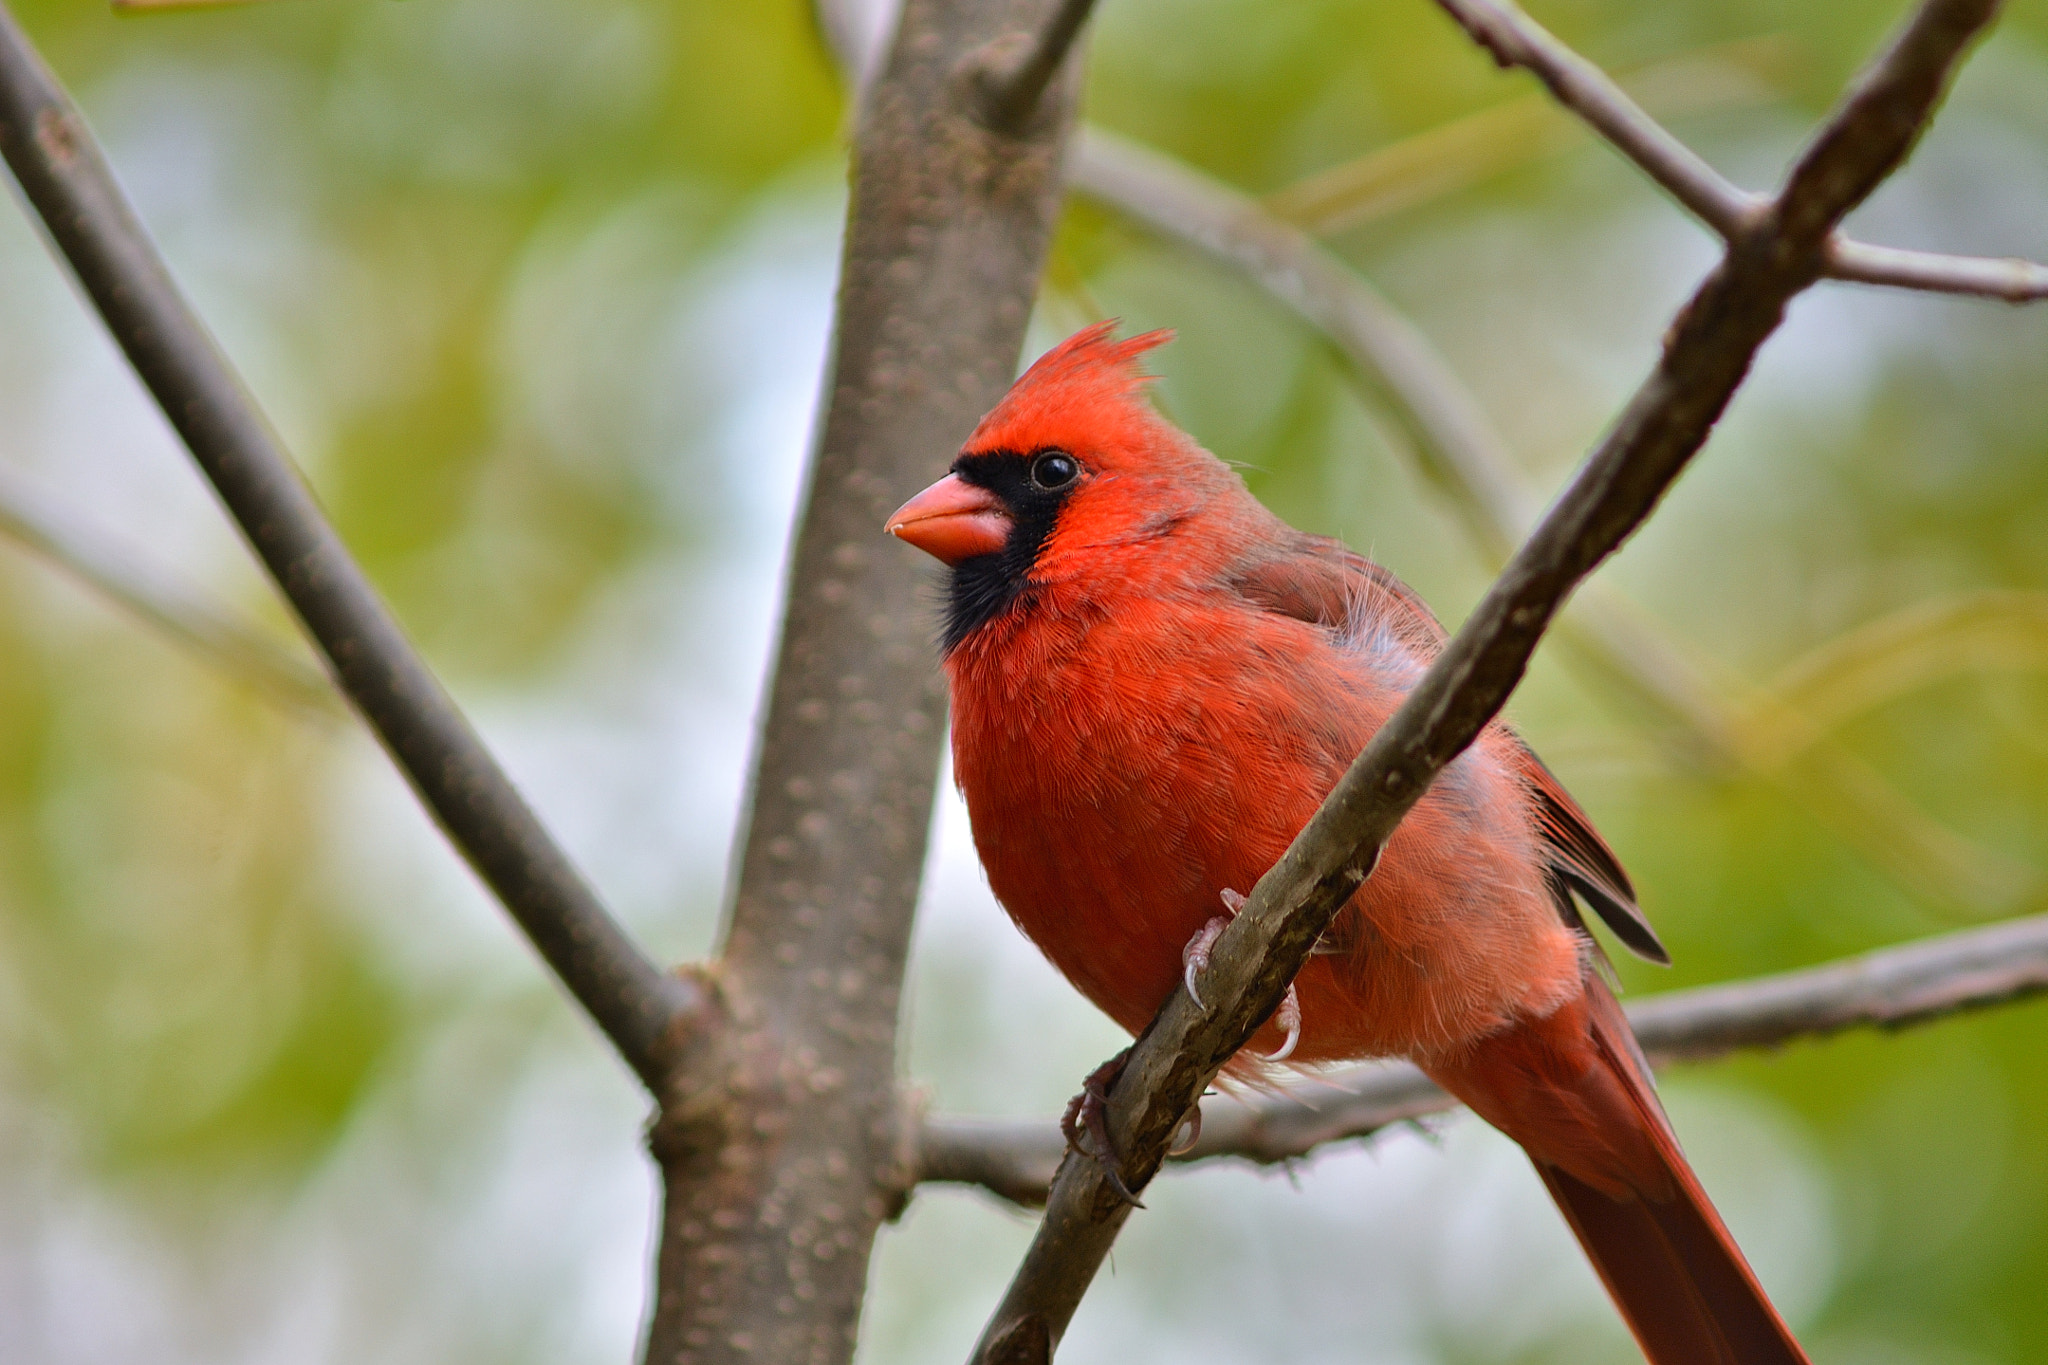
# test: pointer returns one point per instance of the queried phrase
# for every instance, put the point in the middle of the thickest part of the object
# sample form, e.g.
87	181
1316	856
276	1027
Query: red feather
1155	682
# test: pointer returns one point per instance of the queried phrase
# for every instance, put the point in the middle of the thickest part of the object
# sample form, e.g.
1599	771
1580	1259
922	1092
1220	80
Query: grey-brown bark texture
782	1147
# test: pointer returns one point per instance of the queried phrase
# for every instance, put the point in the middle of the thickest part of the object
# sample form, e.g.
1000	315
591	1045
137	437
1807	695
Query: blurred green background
537	291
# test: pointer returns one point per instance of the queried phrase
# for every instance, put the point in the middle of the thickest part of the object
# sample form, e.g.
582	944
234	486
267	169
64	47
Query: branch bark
1892	988
783	1140
64	175
2011	279
1015	69
1514	39
1707	352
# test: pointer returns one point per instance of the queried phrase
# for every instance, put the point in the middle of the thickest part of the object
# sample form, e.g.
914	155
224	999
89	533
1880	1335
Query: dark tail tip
1677	1276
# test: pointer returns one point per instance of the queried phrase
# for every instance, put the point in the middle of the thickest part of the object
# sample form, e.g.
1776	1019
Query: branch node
57	135
1007	77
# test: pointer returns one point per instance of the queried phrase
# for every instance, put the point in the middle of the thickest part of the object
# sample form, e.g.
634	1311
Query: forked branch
1514	39
1707	352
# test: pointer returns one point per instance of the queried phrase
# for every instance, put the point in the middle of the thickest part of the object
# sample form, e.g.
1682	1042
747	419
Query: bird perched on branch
1155	682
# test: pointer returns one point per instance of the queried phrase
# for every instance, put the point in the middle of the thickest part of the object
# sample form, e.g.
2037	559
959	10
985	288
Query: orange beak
953	520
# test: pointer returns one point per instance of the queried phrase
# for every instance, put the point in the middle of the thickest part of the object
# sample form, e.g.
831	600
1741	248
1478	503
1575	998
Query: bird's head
1073	477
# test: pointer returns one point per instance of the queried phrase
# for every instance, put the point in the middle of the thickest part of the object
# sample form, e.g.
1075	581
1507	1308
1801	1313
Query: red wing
1318	580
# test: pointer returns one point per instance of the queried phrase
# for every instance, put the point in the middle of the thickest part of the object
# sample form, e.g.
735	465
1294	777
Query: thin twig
182	617
1914	983
1707	352
64	175
2011	279
1514	39
1014	70
1918	646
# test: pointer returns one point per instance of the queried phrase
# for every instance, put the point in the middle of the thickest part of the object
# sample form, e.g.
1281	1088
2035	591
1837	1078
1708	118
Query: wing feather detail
1319	580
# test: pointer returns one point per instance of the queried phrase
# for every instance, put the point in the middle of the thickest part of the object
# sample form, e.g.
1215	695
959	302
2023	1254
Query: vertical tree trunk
784	1146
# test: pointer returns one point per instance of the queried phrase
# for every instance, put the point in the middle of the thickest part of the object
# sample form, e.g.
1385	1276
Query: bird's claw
1288	1017
1188	1134
1194	959
1087	1118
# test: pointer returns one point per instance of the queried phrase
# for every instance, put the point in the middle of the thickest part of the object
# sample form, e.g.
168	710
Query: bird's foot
1188	1134
1288	1017
1086	1125
1194	960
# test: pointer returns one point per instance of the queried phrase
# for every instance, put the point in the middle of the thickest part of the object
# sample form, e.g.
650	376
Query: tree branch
1013	71
1514	39
1707	352
183	618
65	177
784	1145
2011	279
1892	988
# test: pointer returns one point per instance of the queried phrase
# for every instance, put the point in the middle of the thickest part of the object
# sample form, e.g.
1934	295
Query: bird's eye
1054	469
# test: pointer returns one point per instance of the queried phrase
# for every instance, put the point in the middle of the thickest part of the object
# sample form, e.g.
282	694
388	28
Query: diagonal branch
1892	988
1707	352
66	178
1514	39
182	617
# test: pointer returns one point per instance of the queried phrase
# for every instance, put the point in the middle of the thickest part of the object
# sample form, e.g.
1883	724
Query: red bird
1155	682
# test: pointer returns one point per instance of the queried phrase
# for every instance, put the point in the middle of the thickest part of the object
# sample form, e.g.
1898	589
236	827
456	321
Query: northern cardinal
1155	682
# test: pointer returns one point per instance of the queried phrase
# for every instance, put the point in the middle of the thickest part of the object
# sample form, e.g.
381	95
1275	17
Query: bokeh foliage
536	289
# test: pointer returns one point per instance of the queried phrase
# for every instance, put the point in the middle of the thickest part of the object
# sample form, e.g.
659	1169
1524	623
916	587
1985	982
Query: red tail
1574	1090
